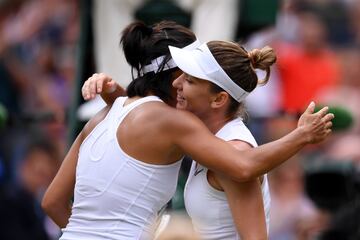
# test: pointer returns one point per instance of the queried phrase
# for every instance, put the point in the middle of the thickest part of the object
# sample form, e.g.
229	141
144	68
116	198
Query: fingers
311	108
99	85
328	125
96	84
319	124
326	121
322	134
86	91
325	129
92	86
322	112
329	117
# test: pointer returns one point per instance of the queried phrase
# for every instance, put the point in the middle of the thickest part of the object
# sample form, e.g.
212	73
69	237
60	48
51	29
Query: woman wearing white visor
216	80
128	162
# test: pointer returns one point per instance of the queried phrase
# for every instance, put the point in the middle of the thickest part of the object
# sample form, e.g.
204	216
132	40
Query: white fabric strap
217	75
156	63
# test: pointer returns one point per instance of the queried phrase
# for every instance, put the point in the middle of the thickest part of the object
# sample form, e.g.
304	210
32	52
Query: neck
130	100
215	121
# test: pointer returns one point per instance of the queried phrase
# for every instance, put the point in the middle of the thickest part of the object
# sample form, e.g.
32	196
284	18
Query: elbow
244	177
56	211
245	173
46	204
49	204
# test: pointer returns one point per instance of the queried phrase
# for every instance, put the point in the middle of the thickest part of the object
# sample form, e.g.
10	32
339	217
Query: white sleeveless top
207	206
117	196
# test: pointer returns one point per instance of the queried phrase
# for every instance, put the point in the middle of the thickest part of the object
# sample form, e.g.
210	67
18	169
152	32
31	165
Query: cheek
187	92
193	98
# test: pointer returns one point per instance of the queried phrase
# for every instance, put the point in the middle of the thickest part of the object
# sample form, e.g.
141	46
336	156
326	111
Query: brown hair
240	66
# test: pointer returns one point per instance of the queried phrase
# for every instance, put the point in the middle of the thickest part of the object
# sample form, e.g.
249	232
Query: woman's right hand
317	125
98	83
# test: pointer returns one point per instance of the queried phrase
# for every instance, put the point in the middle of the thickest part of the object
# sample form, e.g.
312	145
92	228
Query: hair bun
254	56
262	58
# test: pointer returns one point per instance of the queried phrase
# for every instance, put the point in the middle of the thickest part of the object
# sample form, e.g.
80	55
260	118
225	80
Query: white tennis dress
207	206
117	196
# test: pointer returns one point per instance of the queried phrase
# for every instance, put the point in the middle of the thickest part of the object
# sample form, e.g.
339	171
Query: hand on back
96	84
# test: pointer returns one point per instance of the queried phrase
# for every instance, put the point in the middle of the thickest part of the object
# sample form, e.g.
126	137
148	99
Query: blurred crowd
317	42
37	66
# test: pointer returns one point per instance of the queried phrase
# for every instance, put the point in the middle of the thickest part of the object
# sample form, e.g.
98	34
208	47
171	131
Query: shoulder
236	130
169	118
91	124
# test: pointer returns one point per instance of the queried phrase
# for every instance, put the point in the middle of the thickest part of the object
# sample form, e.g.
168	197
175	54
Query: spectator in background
291	209
292	212
354	11
21	216
308	67
347	92
264	103
344	145
37	52
344	224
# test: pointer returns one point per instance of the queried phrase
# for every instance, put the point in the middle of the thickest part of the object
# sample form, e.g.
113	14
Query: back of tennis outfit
207	206
117	196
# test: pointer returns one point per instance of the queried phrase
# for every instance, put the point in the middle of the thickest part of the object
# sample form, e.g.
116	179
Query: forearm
109	98
241	165
258	161
195	140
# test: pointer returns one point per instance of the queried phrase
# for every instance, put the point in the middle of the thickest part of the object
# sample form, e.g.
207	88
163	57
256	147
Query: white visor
156	63
200	63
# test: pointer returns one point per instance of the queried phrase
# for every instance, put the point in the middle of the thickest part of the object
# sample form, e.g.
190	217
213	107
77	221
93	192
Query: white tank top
117	196
207	206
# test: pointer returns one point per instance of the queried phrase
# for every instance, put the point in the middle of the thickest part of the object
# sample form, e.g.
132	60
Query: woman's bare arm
247	208
57	199
245	202
190	135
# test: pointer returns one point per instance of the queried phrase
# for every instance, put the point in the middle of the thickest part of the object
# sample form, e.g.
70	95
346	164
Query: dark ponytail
142	44
133	40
